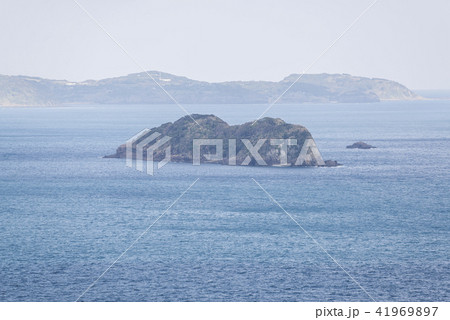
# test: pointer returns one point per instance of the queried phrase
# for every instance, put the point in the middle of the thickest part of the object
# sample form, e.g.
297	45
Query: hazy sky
403	40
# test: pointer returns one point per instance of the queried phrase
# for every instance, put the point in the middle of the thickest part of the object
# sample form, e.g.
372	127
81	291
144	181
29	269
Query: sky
403	40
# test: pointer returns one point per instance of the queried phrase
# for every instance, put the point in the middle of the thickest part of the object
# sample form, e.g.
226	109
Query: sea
77	227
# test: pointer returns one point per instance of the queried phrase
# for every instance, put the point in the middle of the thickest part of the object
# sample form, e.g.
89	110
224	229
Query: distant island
139	88
266	135
360	145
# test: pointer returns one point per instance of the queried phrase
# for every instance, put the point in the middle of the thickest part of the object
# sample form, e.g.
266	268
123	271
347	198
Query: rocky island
267	142
360	145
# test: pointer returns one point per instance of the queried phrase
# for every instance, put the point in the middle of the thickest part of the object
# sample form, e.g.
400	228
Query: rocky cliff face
139	88
267	136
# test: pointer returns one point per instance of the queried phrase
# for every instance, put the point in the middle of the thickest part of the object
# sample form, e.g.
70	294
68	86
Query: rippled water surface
66	214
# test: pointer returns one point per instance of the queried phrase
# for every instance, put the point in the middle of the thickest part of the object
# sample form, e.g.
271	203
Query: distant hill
138	88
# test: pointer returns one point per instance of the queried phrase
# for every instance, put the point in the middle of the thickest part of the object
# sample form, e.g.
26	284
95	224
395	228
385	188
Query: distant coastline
140	88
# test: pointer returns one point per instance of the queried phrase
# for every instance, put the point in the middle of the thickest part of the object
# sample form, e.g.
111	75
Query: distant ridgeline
139	88
267	142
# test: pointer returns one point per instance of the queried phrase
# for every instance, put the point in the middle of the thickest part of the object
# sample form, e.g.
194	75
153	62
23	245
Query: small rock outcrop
360	145
332	163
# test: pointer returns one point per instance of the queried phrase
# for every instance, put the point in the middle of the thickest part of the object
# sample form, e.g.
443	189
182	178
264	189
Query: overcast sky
403	40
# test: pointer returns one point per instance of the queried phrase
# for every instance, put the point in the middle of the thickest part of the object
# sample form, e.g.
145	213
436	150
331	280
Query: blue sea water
66	213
